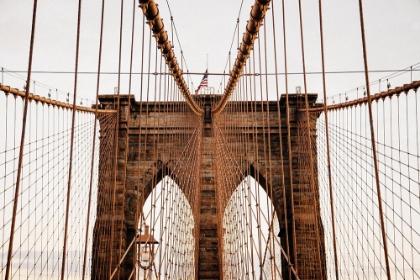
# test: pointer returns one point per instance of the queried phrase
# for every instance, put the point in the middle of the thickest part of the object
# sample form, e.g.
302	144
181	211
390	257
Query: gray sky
207	28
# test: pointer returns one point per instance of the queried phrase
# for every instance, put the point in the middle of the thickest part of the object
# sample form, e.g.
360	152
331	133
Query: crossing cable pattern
273	174
171	214
181	172
396	124
249	115
25	207
158	166
41	211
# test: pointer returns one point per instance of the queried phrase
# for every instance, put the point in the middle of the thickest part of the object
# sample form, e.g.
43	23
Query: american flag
203	83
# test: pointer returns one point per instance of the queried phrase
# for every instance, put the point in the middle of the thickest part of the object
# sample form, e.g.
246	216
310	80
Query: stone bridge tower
134	175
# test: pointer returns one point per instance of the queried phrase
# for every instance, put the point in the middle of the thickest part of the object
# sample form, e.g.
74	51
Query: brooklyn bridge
255	177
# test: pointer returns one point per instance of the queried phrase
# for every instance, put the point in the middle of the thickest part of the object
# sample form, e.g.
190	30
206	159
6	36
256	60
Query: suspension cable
151	12
257	15
22	142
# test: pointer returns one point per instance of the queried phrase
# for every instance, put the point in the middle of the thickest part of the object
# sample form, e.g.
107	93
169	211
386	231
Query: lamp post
145	249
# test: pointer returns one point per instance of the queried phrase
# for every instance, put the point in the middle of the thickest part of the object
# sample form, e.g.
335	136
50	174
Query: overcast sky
206	28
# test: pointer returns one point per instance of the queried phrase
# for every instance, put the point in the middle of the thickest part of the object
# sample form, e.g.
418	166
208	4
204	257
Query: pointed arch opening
251	246
169	216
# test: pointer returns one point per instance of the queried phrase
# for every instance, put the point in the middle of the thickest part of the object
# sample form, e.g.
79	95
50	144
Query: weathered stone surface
160	135
208	260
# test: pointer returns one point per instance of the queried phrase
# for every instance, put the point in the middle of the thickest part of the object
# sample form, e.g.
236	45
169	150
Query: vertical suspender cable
63	263
289	144
270	171
93	140
140	187
375	160
257	15
311	161
117	128
321	31
289	267
127	133
22	142
132	47
151	12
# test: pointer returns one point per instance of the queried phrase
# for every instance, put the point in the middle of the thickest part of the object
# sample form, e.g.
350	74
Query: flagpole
207	66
